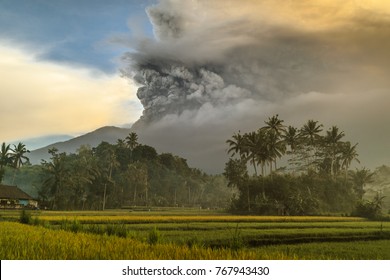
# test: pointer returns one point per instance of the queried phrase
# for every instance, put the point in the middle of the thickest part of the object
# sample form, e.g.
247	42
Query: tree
132	141
378	203
360	178
310	131
291	137
275	124
121	143
321	156
261	150
168	160
144	153
5	159
137	176
332	140
275	147
237	175
56	175
108	163
273	135
370	209
310	134
348	154
18	157
84	171
237	145
252	145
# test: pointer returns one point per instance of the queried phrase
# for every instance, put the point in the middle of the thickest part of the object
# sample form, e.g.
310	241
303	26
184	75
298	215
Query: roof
13	192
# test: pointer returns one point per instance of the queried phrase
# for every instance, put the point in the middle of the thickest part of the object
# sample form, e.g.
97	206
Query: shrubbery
25	217
370	209
153	236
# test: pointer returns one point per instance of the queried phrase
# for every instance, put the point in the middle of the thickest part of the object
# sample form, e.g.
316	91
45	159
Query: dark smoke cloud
219	66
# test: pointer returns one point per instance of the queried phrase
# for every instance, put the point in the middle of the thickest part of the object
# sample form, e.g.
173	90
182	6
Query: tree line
315	178
125	174
277	169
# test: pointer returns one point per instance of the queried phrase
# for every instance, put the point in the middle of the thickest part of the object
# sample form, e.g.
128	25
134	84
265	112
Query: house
13	197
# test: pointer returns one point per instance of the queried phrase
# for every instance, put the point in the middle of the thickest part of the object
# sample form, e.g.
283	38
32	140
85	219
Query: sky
59	66
197	71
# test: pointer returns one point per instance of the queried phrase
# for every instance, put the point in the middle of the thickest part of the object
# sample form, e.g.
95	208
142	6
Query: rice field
195	234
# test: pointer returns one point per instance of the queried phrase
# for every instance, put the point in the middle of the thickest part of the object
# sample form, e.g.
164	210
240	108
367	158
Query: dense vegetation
275	170
316	179
126	174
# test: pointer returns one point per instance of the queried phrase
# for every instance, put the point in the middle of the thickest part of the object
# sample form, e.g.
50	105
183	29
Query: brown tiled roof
13	192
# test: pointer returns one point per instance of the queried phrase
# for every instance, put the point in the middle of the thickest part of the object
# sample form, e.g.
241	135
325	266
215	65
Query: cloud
219	66
40	98
72	31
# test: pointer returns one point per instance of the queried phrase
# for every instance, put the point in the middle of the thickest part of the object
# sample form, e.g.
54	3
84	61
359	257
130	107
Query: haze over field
209	69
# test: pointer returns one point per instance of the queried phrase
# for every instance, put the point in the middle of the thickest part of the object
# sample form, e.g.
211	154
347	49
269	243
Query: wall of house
16	204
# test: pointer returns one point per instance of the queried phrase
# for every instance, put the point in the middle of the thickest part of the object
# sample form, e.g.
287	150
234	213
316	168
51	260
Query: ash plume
173	88
215	67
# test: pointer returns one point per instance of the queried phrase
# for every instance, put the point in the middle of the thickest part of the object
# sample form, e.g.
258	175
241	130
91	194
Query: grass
164	216
196	235
359	250
18	241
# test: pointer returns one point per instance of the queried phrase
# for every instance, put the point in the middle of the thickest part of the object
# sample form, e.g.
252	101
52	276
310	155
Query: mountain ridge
36	143
108	134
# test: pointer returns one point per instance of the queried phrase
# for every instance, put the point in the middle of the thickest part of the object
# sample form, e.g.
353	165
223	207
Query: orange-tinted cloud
40	98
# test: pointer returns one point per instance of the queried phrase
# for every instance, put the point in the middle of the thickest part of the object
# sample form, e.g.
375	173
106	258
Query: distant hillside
108	134
39	142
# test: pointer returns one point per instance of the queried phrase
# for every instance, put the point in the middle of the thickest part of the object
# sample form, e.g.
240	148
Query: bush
76	226
117	230
236	241
37	222
367	209
194	242
154	236
25	217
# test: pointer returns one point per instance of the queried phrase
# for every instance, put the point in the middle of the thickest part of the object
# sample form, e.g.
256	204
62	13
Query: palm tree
262	152
291	137
132	141
310	133
348	154
274	124
275	147
121	143
5	158
274	129
253	145
18	157
332	139
236	145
